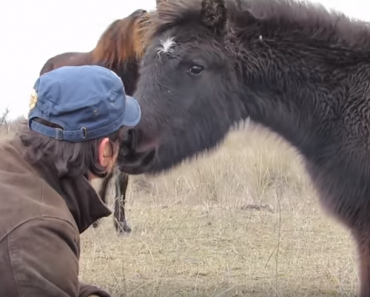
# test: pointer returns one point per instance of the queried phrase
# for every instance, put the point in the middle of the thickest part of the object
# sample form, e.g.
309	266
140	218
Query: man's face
108	150
111	154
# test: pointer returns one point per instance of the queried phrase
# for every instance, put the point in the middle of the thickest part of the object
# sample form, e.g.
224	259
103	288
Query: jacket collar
81	198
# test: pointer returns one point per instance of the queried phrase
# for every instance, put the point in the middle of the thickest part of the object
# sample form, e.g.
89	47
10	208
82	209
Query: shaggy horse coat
120	49
294	67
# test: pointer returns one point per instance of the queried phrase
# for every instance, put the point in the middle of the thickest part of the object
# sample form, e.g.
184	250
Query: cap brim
132	114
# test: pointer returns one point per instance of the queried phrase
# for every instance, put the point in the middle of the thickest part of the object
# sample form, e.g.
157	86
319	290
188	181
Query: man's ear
104	150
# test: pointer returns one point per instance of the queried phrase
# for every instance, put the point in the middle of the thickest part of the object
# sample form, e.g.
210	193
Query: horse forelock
120	43
171	13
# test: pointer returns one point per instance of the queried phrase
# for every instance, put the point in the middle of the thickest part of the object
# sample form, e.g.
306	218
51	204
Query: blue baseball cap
87	101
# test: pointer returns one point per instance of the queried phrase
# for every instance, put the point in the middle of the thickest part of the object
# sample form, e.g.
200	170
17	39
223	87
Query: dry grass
193	236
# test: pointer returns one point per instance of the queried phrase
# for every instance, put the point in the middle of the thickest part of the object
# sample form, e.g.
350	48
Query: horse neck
128	71
300	89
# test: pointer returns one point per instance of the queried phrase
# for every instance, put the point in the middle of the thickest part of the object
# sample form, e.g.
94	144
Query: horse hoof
123	228
126	228
95	224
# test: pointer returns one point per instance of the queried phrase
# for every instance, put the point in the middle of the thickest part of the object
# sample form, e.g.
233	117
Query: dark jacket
41	219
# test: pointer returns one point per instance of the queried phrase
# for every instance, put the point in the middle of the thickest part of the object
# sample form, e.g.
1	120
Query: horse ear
214	14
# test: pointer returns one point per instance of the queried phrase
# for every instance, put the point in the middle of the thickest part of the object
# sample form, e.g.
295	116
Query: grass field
195	234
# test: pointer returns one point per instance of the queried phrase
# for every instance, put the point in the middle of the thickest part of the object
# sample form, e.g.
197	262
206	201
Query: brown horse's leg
362	238
103	194
120	222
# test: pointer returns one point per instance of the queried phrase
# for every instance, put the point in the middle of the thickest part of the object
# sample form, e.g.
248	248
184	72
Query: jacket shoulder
33	269
25	195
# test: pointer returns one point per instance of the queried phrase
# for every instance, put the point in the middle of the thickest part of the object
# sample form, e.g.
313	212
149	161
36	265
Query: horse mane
122	41
48	66
312	20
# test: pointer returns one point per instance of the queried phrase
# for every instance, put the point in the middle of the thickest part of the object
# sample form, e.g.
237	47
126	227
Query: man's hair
66	158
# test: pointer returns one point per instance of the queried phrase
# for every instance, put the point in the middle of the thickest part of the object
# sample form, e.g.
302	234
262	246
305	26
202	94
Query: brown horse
120	49
296	68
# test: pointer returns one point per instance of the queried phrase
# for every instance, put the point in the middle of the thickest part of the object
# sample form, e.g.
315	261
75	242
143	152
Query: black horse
296	68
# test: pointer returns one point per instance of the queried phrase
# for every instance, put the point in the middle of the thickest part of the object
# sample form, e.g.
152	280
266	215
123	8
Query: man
78	117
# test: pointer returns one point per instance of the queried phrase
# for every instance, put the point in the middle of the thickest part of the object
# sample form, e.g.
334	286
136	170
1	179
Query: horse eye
196	69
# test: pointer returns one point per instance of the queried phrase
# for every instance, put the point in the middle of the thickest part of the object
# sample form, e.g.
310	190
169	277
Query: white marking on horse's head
166	46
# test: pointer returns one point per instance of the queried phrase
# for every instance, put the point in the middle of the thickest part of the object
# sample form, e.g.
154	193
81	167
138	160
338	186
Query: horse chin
136	163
